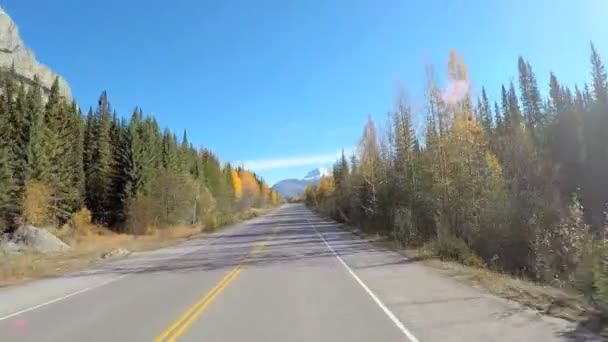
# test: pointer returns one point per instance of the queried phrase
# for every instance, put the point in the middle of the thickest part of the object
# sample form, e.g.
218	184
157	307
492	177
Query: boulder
116	253
32	239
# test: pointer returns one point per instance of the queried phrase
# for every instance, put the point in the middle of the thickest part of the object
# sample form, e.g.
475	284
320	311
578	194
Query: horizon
290	86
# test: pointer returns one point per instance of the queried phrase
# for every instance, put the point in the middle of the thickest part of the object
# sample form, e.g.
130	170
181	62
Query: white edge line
386	310
62	298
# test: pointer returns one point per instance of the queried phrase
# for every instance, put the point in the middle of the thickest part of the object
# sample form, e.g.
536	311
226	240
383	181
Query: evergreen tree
19	132
530	97
600	79
497	117
505	107
485	113
9	204
76	155
122	172
37	159
99	180
514	110
595	143
169	151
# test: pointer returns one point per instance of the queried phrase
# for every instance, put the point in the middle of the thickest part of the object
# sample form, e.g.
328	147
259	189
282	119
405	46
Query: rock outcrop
14	54
31	239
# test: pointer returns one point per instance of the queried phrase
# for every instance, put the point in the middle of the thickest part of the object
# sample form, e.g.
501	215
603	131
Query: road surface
287	276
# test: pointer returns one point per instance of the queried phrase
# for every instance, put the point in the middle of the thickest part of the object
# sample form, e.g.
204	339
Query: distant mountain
289	188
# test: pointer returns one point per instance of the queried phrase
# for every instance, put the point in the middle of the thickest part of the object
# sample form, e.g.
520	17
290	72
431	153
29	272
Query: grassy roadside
88	245
545	299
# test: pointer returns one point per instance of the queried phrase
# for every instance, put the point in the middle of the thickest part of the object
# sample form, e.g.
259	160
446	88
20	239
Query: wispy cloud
283	163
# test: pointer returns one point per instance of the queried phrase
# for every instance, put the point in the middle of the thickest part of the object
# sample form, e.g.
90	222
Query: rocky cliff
14	53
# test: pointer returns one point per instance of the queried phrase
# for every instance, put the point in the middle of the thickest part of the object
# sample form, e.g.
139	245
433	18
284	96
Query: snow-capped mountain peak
295	187
317	173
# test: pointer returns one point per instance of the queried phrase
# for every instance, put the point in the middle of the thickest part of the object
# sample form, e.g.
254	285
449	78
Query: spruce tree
38	161
99	180
75	158
515	116
600	80
19	132
170	160
530	97
122	172
9	204
595	143
505	110
59	143
485	113
498	119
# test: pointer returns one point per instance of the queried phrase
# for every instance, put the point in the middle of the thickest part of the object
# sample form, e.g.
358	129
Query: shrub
558	247
37	202
176	196
452	248
210	223
205	207
404	230
81	220
141	215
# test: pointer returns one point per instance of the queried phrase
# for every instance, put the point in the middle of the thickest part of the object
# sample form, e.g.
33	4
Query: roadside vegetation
100	180
518	186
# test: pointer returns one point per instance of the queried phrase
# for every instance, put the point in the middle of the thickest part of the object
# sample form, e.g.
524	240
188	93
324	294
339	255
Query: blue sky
284	85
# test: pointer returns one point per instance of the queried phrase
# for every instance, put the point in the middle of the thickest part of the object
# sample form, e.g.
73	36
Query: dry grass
546	299
89	242
87	246
543	298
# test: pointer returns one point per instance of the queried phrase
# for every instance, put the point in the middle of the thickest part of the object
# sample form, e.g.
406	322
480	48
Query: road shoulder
448	297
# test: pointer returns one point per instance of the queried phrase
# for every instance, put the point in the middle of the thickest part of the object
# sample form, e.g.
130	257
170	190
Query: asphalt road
287	276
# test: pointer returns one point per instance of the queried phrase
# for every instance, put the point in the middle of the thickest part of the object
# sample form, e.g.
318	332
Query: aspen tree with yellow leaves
506	186
237	186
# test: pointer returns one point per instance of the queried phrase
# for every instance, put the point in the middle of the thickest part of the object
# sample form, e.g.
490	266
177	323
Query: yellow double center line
183	322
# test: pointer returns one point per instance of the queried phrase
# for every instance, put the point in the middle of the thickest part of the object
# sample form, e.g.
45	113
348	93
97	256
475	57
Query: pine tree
596	154
9	204
19	132
169	151
121	173
485	113
76	154
505	107
58	143
99	181
600	79
37	159
530	97
498	119
515	116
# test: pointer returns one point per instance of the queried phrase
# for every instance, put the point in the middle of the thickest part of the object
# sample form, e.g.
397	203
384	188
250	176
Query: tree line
519	184
130	175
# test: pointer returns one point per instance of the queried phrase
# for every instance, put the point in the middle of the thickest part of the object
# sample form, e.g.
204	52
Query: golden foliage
81	220
325	187
37	200
251	189
237	186
274	197
265	192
